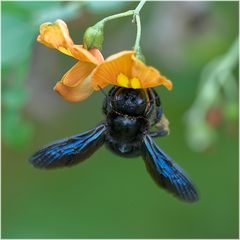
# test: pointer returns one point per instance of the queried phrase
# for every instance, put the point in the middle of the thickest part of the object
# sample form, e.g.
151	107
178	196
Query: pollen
135	83
65	51
123	80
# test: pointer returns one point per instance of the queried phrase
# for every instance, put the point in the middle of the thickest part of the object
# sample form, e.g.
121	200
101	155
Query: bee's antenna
102	91
106	95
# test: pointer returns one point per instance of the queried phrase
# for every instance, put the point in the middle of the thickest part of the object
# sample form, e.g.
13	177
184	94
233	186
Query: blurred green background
108	196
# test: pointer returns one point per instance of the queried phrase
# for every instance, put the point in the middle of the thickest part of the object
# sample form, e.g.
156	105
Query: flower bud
93	36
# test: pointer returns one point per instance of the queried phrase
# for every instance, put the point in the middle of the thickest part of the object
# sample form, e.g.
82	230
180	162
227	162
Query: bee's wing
71	150
166	172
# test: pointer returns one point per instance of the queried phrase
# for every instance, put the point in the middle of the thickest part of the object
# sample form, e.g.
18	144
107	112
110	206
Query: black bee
130	113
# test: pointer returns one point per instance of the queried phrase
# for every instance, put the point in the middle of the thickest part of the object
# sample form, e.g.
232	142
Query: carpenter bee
130	113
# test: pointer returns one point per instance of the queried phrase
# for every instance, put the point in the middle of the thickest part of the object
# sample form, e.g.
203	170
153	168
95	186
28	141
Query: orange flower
92	72
76	84
125	70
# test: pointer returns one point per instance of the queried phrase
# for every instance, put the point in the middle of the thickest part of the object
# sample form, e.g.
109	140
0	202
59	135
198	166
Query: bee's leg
160	133
158	108
105	106
157	98
160	121
159	114
163	126
156	116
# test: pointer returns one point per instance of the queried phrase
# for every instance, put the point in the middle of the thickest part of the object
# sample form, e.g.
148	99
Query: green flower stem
97	30
134	12
136	19
119	15
139	7
138	37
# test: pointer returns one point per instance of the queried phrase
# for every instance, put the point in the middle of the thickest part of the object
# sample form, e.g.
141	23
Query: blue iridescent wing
166	172
71	150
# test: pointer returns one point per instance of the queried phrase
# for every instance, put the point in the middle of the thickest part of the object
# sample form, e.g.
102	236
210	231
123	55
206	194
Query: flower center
124	81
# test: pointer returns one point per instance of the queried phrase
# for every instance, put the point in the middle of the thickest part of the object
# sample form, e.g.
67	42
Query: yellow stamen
123	80
135	83
65	51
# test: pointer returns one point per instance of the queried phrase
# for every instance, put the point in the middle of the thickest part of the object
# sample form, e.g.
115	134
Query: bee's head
130	101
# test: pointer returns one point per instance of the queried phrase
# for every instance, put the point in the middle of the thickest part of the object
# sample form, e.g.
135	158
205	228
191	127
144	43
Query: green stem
136	19
138	36
119	15
134	12
139	7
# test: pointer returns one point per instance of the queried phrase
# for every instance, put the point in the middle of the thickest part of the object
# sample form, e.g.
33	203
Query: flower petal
125	70
149	76
75	94
55	35
108	71
97	54
82	54
77	74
